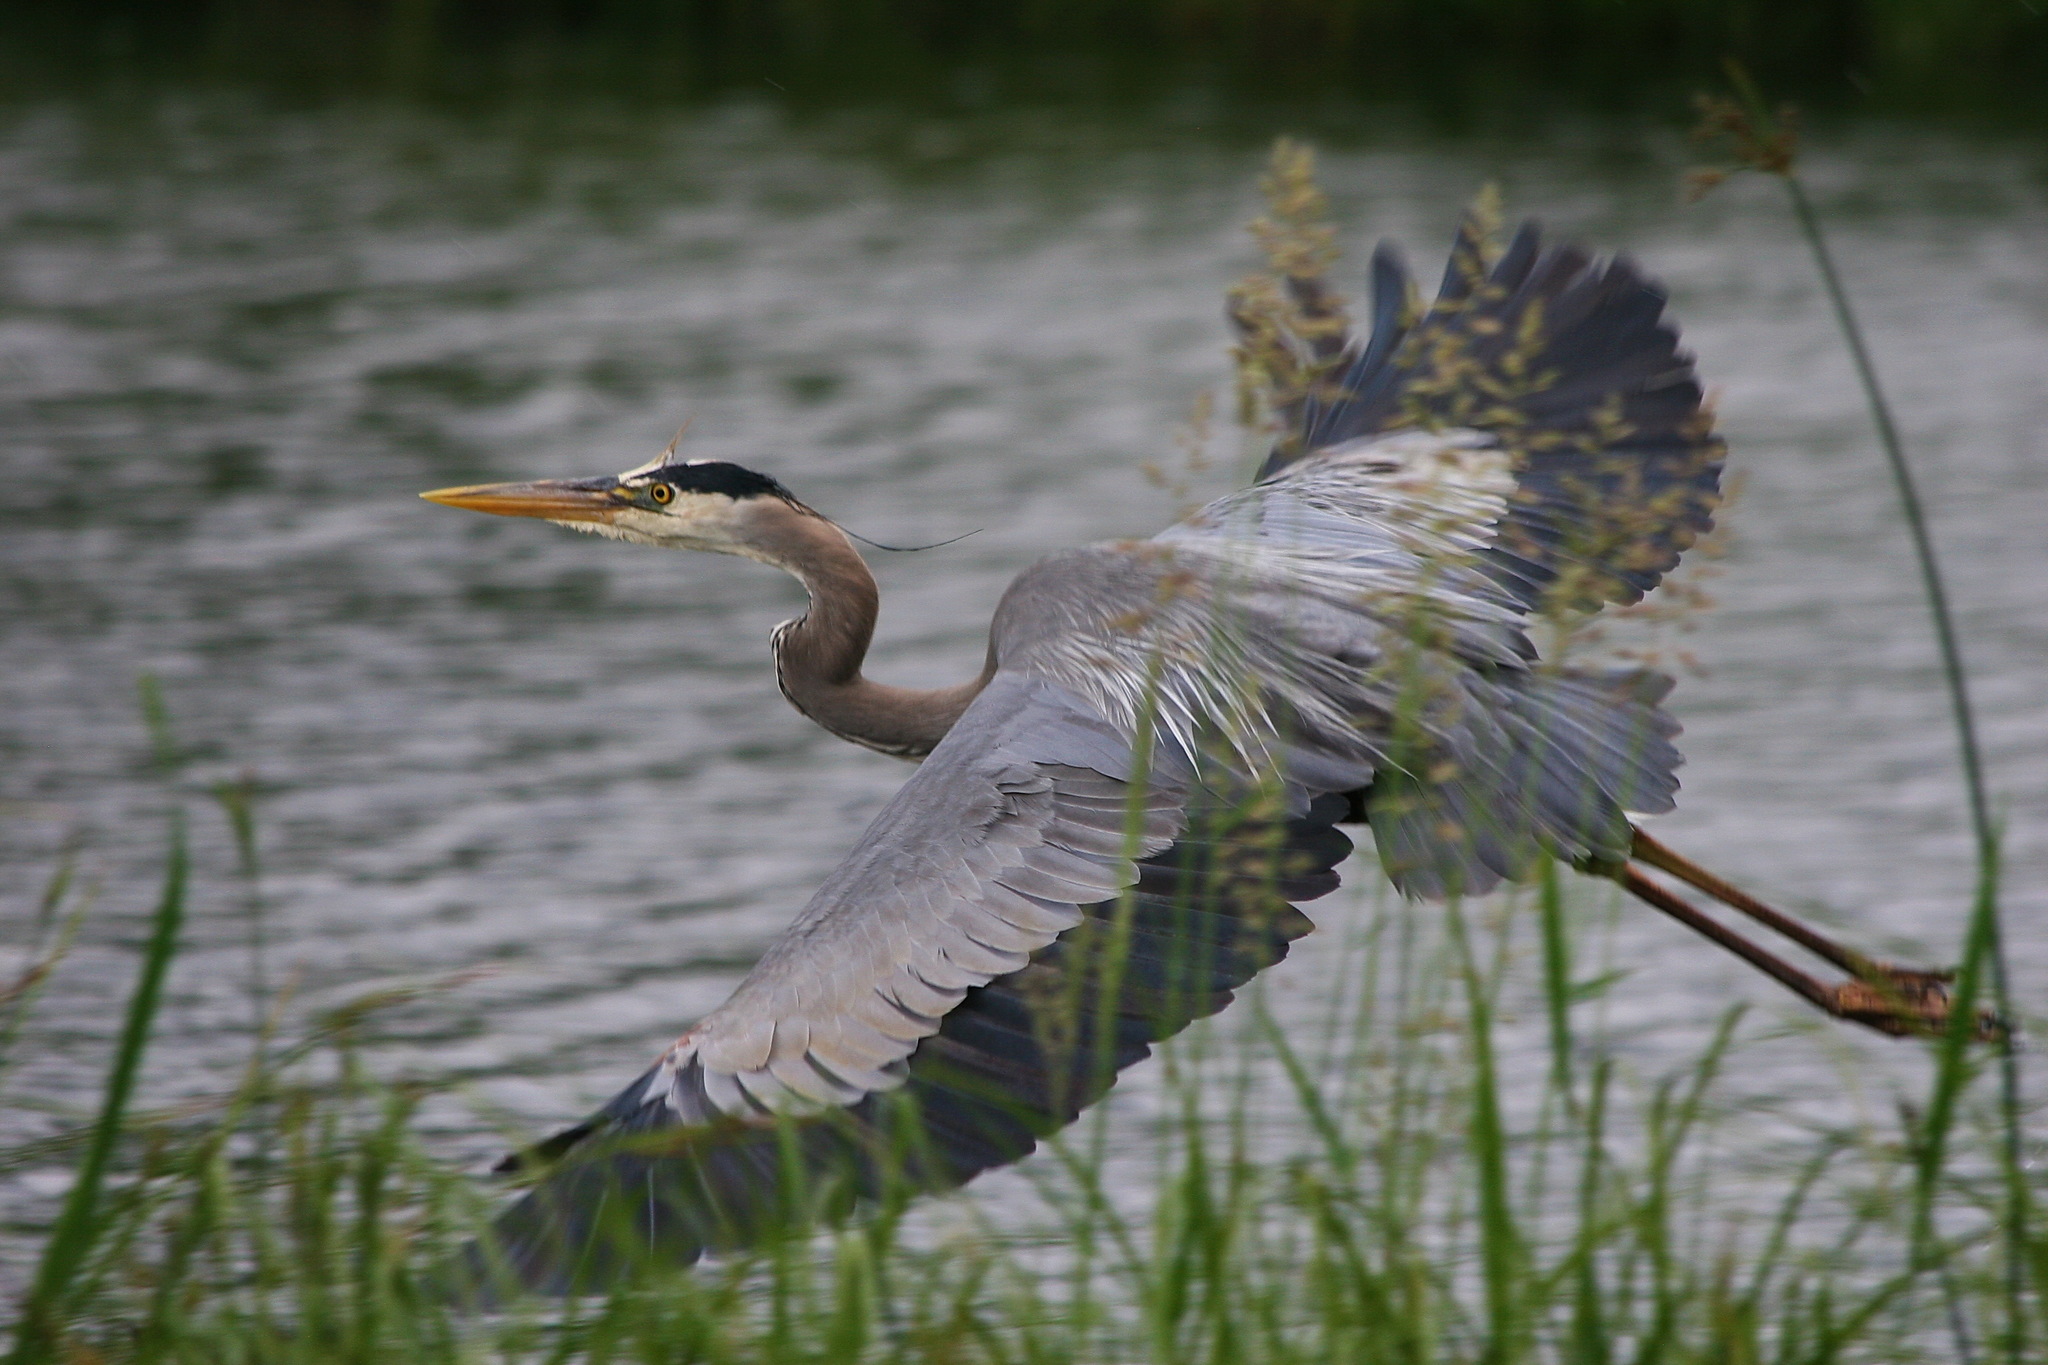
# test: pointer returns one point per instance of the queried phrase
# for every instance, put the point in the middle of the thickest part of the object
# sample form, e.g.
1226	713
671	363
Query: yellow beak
551	499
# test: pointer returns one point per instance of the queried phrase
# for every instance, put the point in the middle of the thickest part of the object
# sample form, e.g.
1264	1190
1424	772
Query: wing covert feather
993	1067
983	858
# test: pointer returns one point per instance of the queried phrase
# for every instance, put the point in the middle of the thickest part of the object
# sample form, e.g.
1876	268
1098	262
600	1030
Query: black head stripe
716	476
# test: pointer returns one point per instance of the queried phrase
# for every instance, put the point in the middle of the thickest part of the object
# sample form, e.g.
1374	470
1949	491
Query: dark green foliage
1976	54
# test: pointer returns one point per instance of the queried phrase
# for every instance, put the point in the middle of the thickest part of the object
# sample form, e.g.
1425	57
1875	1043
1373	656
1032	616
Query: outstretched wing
1021	922
1566	367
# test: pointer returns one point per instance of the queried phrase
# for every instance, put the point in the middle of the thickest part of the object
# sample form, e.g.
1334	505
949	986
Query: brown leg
1917	997
1900	1003
1648	850
1643	889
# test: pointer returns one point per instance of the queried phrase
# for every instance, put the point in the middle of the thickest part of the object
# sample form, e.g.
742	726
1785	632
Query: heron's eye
662	493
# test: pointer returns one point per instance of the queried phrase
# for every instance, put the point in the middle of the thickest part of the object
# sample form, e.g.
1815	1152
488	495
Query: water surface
235	344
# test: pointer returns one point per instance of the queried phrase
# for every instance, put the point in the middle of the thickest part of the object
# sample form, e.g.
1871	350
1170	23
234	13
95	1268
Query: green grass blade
1500	1241
44	1312
1557	983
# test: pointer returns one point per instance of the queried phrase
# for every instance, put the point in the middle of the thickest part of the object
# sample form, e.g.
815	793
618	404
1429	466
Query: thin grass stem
1985	935
1768	145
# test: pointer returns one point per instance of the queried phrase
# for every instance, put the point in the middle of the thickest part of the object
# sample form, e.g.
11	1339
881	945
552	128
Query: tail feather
1545	765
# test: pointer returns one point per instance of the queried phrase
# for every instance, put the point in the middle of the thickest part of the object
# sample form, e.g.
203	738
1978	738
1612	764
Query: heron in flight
1112	824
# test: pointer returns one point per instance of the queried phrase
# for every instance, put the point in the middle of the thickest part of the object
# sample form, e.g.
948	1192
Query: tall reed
1755	138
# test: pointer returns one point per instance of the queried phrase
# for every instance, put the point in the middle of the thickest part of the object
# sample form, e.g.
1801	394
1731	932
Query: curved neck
818	656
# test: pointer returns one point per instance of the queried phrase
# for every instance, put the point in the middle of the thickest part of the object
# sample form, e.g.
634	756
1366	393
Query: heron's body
1156	754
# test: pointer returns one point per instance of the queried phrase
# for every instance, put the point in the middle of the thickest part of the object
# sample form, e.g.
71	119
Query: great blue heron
1113	821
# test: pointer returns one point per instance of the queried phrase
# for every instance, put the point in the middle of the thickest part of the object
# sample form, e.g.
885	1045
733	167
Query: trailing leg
1895	1000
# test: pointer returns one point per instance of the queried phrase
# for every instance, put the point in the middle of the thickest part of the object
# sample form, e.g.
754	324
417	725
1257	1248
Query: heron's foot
1906	1001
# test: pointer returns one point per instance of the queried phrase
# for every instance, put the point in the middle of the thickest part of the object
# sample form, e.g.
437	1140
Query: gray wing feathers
981	859
1569	364
1272	620
1334	625
1015	1060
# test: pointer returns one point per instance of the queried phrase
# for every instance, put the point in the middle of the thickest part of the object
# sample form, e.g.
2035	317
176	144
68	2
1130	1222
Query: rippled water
234	344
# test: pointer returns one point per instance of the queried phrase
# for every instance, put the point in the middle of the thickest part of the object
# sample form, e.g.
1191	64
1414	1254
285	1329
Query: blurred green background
1462	58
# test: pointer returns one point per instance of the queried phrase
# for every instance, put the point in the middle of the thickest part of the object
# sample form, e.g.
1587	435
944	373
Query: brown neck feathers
818	656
